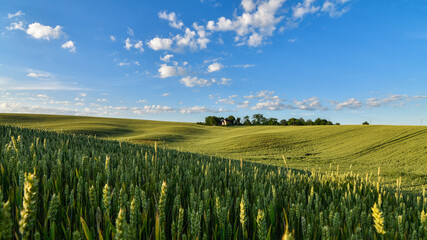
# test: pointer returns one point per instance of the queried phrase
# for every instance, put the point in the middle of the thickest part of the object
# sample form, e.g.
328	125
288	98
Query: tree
246	121
213	121
283	122
309	122
231	120
238	121
365	123
258	119
272	121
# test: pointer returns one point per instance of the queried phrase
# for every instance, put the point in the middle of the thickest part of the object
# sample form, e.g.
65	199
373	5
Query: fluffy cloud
263	95
112	38
195	82
16	26
39	31
229	100
222	81
70	46
141	101
310	104
378	102
171	17
257	22
137	44
153	109
166	58
306	7
214	67
273	105
351	103
160	43
332	8
166	71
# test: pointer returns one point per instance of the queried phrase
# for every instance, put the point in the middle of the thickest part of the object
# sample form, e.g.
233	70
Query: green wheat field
68	177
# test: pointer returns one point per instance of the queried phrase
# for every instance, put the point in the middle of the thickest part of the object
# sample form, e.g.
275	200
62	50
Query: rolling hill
400	151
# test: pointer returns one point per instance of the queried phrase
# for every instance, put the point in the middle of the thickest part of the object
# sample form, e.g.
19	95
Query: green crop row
59	186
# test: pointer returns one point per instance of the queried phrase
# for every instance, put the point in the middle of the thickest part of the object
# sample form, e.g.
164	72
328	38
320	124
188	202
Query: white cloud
160	43
39	31
292	40
244	65
214	67
310	104
351	103
244	104
378	102
166	71
70	46
153	109
166	58
255	40
102	100
141	101
121	64
272	105
198	109
171	17
38	75
248	5
223	81
128	45
137	44
17	14
304	8
332	8
130	31
13	107
16	26
229	100
264	95
258	21
82	94
188	40
112	38
165	94
42	96
195	82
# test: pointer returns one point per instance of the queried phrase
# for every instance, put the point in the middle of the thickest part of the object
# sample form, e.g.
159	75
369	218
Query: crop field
400	151
63	186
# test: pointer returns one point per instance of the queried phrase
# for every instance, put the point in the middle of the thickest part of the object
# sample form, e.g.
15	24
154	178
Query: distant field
398	150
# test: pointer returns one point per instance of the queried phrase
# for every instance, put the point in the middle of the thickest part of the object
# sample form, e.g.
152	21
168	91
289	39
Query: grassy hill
398	150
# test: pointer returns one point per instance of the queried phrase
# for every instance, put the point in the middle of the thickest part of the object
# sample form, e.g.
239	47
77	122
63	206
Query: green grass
400	151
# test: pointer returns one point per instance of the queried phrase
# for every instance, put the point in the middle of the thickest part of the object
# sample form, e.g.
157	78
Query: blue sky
344	60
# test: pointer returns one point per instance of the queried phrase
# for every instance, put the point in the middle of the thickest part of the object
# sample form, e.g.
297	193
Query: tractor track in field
386	144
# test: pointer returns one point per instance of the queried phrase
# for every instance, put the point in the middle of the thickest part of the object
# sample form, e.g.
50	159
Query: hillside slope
398	150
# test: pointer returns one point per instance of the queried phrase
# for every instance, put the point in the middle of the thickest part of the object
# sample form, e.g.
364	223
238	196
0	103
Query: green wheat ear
121	225
378	219
29	210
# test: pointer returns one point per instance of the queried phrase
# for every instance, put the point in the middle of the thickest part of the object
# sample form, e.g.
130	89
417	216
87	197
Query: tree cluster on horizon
259	119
